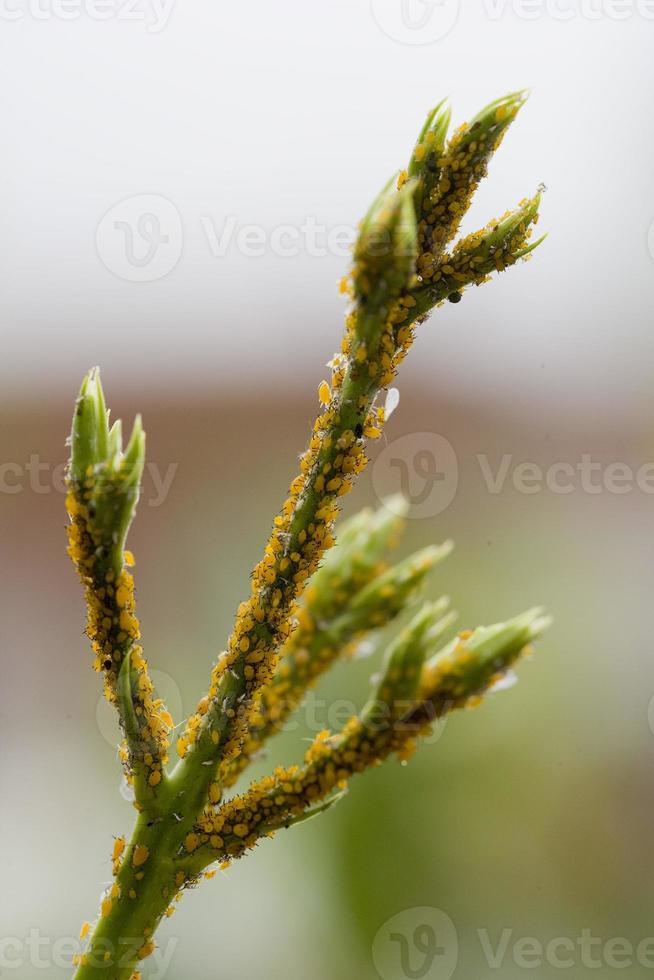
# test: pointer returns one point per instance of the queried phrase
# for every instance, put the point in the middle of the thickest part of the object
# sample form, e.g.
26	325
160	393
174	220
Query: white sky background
268	113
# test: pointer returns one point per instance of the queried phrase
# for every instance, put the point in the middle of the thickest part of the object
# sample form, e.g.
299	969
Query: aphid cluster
413	693
352	594
309	604
112	625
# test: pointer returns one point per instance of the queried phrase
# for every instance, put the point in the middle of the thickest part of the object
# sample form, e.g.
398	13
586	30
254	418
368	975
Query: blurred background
179	186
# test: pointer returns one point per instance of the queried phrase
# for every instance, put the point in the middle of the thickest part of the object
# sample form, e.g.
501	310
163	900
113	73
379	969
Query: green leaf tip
395	589
103	478
431	141
442	176
386	249
403	666
90	431
475	661
498	114
397	505
95	445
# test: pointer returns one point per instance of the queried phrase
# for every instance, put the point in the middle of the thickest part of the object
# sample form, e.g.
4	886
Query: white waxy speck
127	791
506	681
392	401
364	649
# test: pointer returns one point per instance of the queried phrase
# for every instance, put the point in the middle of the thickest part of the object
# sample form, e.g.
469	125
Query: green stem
354	401
121	937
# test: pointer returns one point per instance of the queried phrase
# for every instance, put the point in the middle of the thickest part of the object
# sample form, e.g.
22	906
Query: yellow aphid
140	855
85	930
128	623
191	842
122	596
119	847
145	950
129	558
324	393
155	778
106	906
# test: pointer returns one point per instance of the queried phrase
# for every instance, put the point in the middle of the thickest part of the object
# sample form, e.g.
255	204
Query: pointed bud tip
90	380
501	112
534	620
397	504
134	458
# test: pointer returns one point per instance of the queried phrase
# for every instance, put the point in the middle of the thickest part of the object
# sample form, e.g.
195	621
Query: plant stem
122	936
